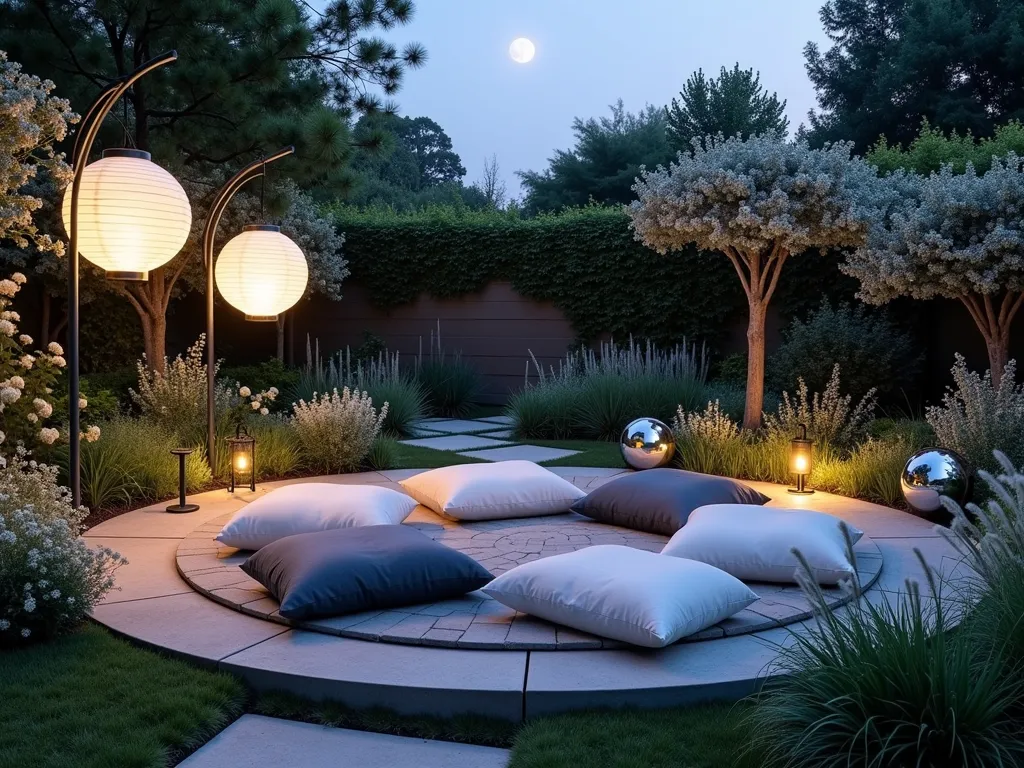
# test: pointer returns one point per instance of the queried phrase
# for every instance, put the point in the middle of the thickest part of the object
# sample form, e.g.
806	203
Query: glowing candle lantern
262	272
133	216
800	460
242	449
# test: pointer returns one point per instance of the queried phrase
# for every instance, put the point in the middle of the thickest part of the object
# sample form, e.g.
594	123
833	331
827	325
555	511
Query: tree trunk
759	274
280	336
755	364
994	323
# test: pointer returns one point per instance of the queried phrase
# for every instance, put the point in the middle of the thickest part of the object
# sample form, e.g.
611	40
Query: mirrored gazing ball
647	443
931	473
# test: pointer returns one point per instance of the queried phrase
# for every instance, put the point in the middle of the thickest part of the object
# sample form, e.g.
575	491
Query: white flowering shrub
49	577
176	397
831	418
27	381
336	431
977	416
711	424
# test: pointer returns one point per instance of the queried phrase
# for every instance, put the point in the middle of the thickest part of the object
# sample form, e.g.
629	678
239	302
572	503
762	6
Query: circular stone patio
470	655
477	621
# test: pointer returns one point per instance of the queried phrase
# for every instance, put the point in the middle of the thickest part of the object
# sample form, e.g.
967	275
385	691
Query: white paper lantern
261	272
133	216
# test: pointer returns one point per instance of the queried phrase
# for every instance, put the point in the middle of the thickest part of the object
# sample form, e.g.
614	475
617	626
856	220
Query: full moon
521	50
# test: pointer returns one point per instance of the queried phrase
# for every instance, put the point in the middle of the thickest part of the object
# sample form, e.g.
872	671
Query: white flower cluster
55	576
257	402
336	431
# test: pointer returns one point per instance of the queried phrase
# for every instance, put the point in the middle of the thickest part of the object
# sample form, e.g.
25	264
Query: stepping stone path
487	439
254	741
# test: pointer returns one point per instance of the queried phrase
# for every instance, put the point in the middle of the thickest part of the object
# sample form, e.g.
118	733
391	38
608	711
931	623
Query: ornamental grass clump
49	578
990	538
593	394
886	683
336	431
382	377
978	416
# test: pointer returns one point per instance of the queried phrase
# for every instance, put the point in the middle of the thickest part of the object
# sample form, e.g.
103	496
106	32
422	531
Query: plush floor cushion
623	593
660	500
309	507
757	543
348	570
492	491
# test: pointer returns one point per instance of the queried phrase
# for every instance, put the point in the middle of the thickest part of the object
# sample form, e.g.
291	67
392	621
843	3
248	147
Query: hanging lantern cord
263	189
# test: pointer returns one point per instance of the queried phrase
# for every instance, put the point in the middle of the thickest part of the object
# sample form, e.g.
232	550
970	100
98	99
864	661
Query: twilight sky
589	53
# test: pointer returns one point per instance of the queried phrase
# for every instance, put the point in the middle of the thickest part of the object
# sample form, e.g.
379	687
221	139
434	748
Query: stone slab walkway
254	741
486	439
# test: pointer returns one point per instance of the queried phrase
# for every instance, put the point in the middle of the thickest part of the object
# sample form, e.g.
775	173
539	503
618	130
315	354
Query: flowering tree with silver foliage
758	202
958	236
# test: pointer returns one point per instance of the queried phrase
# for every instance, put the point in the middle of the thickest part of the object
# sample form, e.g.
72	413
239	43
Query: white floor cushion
623	593
756	543
309	507
492	491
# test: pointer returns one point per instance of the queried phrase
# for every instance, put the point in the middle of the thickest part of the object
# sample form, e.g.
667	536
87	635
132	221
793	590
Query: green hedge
585	261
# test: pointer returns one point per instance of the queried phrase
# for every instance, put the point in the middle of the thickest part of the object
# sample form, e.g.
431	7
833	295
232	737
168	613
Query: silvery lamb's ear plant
959	236
758	202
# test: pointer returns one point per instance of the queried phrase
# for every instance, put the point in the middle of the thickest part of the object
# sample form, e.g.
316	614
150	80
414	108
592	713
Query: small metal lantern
800	449
181	506
647	444
242	449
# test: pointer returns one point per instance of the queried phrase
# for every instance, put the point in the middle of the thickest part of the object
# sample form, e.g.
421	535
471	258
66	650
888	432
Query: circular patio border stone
476	621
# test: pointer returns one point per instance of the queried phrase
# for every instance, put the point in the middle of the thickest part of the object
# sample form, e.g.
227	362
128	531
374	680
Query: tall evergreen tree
252	75
604	164
957	63
733	104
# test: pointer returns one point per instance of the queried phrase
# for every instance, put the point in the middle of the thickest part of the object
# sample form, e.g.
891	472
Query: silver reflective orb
647	444
932	473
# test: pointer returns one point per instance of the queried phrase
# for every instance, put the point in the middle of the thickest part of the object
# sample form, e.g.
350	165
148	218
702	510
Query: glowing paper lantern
261	272
133	216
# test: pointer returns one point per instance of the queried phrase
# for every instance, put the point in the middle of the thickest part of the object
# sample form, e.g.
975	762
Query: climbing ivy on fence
585	261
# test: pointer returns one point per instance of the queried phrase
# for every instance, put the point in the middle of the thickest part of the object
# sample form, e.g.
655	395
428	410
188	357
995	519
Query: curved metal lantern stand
252	171
84	139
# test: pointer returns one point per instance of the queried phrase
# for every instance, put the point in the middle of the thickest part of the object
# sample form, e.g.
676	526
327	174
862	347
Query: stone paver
404	678
508	420
254	741
454	442
535	453
455	426
500	434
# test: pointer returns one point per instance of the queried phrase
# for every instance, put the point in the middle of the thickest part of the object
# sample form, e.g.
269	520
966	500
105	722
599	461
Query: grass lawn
91	700
709	736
